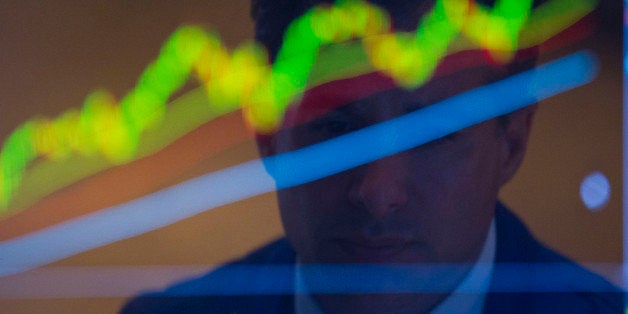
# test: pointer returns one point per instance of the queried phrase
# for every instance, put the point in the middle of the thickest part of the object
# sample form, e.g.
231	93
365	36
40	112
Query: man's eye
332	126
449	137
443	140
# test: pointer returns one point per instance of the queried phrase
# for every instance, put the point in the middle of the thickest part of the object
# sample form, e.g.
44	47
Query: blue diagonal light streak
435	121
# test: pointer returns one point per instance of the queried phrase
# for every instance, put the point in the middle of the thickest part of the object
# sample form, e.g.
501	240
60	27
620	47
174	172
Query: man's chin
381	278
380	303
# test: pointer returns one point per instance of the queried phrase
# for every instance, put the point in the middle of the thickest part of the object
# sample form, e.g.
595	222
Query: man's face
430	204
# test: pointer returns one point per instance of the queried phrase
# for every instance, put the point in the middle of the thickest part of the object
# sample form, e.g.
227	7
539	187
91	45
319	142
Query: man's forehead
376	94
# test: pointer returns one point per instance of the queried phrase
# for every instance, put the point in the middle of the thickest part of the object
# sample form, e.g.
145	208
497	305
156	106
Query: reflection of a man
435	204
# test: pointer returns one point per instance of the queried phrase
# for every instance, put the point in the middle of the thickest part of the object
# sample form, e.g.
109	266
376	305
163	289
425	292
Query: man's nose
380	187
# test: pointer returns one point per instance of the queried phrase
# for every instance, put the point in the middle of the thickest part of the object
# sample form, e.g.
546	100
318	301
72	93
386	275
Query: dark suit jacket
527	278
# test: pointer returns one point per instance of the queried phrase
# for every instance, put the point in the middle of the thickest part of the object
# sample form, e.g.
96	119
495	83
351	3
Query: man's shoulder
258	282
530	277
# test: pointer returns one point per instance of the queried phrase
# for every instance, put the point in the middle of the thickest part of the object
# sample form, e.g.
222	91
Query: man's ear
514	136
265	144
266	148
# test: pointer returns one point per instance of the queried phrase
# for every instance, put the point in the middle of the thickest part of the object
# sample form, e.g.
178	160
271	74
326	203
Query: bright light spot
595	191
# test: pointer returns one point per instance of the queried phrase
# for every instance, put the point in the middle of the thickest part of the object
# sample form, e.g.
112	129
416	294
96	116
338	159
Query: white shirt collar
467	298
469	295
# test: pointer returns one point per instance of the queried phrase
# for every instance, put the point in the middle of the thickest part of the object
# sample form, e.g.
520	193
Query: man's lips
374	249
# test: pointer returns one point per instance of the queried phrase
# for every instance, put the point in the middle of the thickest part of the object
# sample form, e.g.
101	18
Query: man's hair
272	17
